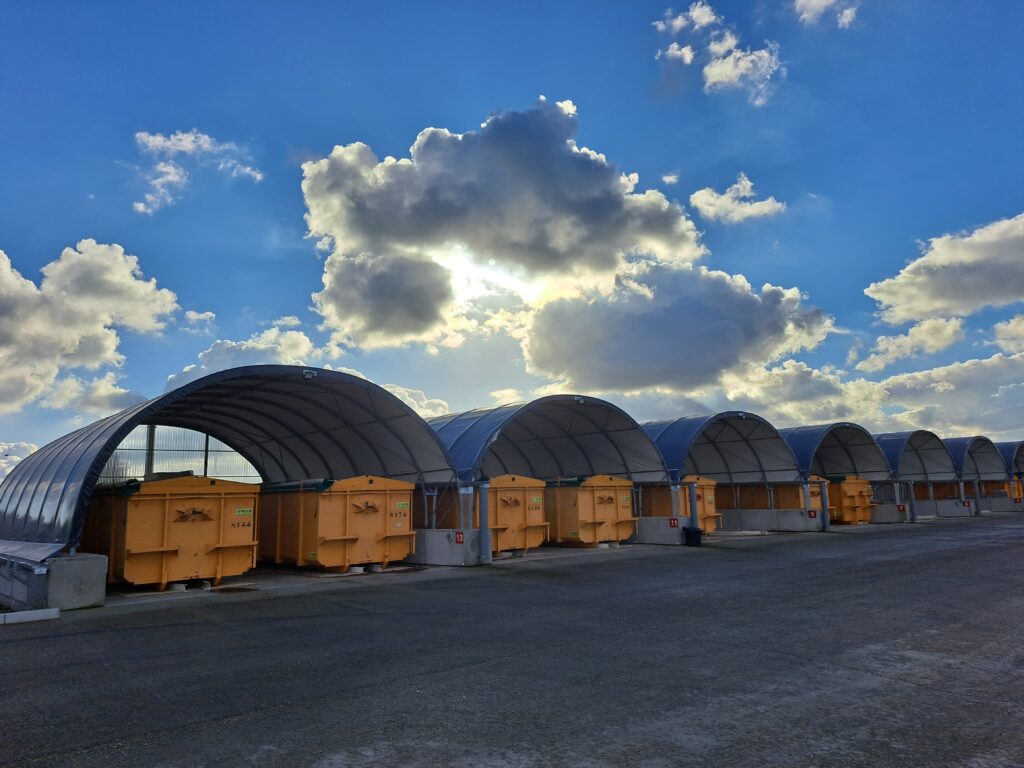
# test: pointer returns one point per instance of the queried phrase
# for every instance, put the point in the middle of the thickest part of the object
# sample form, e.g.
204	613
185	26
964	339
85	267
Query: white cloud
670	178
984	396
434	246
507	396
672	23
748	70
676	53
846	17
288	321
926	337
734	205
702	15
100	397
168	178
722	43
638	338
810	11
199	322
957	275
70	319
12	453
1010	334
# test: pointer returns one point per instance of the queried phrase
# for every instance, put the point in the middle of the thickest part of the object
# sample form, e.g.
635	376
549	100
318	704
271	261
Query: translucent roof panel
290	423
976	458
561	436
917	456
729	447
841	449
1013	454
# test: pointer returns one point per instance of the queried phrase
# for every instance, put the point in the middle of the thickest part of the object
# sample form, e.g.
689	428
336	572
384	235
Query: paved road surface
876	646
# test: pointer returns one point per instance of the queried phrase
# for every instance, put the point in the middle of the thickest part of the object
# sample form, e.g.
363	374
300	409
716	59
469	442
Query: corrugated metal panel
549	438
291	423
1013	454
976	458
918	455
729	447
843	448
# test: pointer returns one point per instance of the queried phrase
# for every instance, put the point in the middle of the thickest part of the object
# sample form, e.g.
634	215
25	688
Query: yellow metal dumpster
176	529
656	501
354	521
590	511
850	500
515	510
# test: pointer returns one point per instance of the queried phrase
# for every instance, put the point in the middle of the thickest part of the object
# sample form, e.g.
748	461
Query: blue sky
875	140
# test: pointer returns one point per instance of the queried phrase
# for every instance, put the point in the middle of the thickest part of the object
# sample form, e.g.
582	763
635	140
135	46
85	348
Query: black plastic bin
692	537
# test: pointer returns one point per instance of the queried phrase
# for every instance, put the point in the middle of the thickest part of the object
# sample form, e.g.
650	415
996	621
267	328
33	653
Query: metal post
911	502
807	497
150	448
977	497
694	512
206	457
826	519
960	487
484	535
673	491
931	491
466	506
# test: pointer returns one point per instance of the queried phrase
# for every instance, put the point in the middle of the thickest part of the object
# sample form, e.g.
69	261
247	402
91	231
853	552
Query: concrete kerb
26	617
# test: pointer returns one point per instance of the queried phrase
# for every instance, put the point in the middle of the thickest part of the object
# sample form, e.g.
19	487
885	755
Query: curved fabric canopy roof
976	458
843	448
729	447
1013	454
550	438
290	423
918	455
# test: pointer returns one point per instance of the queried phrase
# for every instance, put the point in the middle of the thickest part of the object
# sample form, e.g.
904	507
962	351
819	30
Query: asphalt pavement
872	646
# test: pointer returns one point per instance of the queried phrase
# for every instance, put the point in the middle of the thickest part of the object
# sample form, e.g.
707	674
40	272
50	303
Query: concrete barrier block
76	581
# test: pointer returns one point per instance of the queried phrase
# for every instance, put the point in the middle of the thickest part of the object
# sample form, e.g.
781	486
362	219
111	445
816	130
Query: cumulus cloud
167	178
506	396
734	205
638	337
749	70
670	178
12	453
983	396
700	15
100	396
199	322
70	319
383	300
846	17
419	401
810	11
518	205
957	275
677	53
924	338
1010	334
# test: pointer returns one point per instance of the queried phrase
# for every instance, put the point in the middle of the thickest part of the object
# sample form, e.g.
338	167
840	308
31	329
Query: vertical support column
673	492
960	487
694	512
466	506
206	457
484	534
911	502
826	519
931	491
806	491
977	497
150	449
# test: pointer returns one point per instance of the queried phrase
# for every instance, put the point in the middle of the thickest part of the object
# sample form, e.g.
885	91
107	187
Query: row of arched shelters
564	468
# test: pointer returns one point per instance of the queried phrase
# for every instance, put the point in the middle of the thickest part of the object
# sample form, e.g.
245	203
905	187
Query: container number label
243	511
625	499
538	499
402	505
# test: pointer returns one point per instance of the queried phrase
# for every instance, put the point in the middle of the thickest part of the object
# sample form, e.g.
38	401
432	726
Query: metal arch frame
823	431
473	471
32	521
906	439
1012	452
961	449
661	432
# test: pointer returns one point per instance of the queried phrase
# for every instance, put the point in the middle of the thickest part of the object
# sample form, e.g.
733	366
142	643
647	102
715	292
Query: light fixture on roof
309	374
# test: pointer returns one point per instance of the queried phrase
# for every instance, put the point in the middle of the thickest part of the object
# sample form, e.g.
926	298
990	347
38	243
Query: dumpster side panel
516	511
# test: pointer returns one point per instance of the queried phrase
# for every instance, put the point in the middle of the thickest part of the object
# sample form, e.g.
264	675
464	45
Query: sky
808	209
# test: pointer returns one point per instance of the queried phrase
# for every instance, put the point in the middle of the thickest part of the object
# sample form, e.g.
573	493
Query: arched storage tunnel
292	424
745	467
858	475
559	469
1013	455
920	461
984	478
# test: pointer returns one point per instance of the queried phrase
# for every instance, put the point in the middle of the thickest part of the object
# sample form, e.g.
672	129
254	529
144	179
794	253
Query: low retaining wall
659	530
67	583
769	520
889	513
441	546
